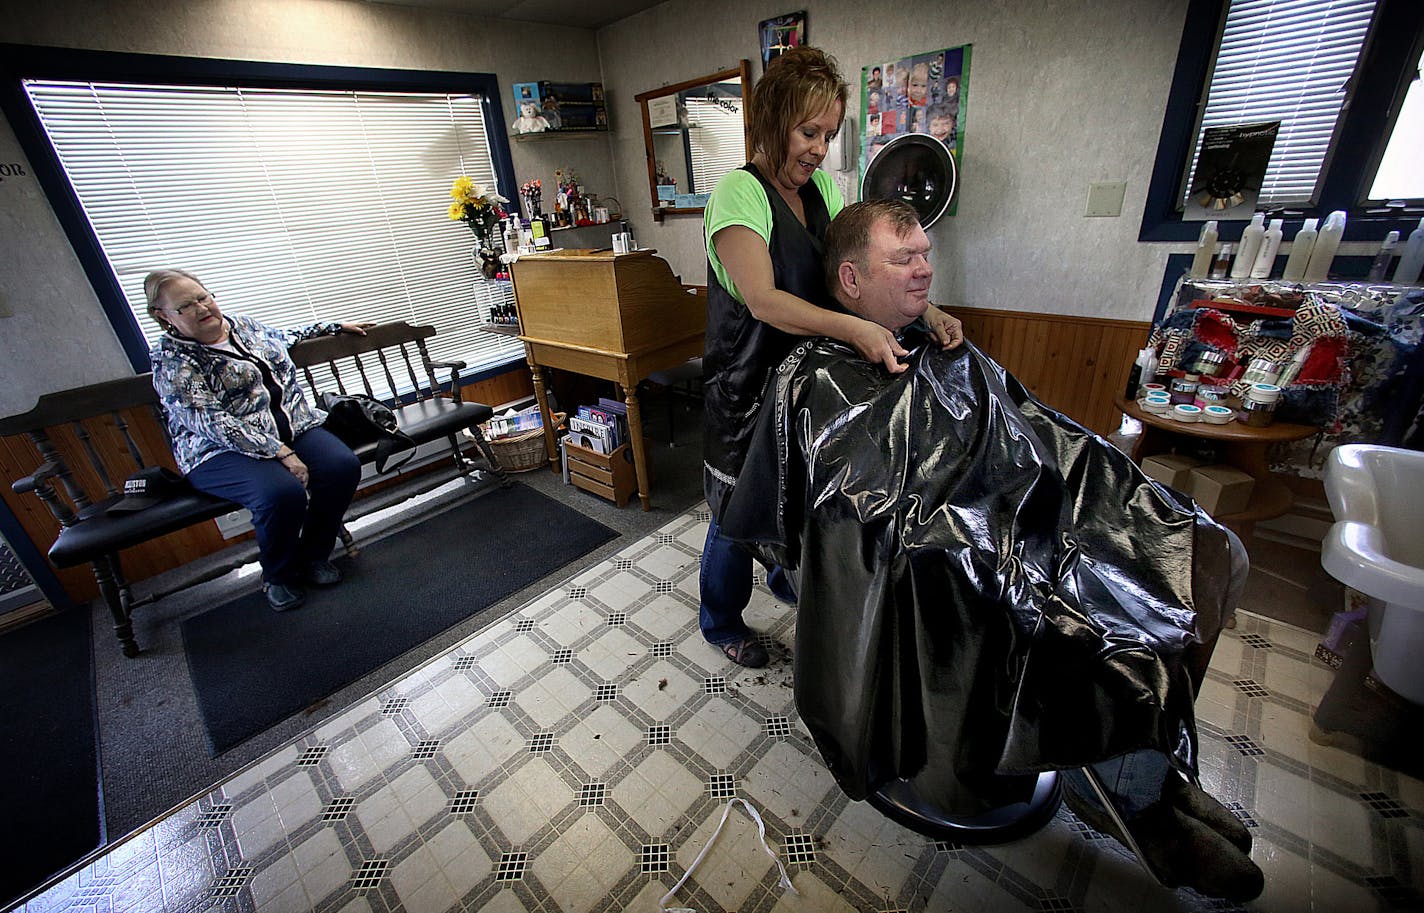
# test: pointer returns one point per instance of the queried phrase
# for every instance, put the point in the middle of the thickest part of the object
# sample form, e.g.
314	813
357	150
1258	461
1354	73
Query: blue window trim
34	62
1390	51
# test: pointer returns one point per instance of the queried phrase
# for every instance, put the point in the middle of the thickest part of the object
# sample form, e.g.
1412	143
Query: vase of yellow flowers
479	208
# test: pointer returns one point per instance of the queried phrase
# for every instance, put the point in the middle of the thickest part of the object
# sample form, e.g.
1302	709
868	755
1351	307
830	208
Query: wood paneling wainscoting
19	458
1074	364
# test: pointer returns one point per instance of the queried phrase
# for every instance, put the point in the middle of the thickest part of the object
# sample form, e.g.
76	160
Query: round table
1243	447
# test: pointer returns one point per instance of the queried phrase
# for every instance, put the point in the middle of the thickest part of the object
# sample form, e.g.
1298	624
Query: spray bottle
1206	250
1407	272
1251	237
1301	247
1266	258
1380	265
1323	256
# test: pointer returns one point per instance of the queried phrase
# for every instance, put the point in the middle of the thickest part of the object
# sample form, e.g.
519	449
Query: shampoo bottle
1206	250
1407	272
511	236
1301	247
1326	244
1251	237
1380	266
1266	257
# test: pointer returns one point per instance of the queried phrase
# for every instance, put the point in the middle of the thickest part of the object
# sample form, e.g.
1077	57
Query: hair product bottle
1380	265
1206	250
1266	256
1321	258
1407	272
1301	247
1222	261
1251	237
511	236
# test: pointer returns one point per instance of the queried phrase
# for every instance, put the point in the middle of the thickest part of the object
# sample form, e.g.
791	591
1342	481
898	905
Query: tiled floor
576	755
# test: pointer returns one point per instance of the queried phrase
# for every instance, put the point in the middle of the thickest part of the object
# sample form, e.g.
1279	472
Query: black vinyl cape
986	587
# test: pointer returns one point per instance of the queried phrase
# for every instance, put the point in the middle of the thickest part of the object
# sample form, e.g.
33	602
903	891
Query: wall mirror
694	132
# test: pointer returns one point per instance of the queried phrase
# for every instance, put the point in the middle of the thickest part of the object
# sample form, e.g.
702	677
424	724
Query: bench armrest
34	480
454	367
37	483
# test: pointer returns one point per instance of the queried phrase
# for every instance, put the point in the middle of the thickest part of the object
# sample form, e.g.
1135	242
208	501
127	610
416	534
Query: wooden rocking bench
88	440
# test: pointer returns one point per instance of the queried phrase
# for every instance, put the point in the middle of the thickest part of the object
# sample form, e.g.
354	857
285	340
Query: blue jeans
725	585
295	526
1133	781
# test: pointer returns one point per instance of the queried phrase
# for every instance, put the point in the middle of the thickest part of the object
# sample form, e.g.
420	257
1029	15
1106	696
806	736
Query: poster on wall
780	35
1230	170
922	93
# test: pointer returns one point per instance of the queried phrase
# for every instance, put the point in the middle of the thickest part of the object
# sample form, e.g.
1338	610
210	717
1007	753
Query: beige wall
58	336
1061	94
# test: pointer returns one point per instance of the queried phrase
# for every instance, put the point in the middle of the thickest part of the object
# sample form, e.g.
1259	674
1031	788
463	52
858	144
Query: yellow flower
457	211
462	188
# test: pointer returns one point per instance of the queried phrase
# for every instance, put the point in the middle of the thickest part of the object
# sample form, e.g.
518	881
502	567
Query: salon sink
1377	547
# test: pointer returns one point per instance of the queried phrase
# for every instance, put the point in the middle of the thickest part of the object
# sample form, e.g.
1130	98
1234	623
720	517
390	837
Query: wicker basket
523	452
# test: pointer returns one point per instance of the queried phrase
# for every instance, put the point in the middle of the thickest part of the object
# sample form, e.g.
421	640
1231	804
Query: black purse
359	420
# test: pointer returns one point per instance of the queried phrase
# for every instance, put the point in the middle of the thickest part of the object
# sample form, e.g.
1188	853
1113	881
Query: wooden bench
88	440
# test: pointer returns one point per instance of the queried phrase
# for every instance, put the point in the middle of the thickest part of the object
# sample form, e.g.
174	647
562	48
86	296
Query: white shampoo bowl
1377	547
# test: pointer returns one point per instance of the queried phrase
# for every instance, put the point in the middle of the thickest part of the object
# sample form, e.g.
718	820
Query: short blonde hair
798	85
154	282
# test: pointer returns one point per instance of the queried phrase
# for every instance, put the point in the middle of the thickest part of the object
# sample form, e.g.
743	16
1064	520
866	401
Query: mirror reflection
694	133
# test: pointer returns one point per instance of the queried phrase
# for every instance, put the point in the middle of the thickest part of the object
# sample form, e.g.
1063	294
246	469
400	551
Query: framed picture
781	34
919	93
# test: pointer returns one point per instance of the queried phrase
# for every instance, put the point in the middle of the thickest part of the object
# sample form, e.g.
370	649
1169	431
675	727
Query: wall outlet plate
1105	198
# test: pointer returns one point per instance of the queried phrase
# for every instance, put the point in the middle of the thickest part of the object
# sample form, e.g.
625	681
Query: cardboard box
1171	469
1220	489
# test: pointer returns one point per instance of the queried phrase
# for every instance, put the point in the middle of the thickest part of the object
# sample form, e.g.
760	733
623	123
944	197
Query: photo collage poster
922	93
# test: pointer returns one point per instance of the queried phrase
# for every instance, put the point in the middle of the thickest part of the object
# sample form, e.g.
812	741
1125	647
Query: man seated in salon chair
988	591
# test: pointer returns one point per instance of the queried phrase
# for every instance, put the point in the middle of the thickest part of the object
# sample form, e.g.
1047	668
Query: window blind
716	138
1286	60
292	206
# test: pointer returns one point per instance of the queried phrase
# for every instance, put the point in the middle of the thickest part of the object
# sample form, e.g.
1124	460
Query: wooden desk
1242	446
616	317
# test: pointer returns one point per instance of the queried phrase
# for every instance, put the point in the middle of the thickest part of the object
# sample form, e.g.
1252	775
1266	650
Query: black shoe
1202	806
1180	850
283	598
323	573
746	652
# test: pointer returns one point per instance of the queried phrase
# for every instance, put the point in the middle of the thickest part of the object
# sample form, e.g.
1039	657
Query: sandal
746	652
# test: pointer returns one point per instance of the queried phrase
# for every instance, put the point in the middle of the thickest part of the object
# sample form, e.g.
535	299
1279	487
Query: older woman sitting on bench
242	429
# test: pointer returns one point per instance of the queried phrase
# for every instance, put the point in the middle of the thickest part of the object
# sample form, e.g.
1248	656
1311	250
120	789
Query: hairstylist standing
765	224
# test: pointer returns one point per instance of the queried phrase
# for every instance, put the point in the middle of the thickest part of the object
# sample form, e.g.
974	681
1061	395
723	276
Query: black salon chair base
898	801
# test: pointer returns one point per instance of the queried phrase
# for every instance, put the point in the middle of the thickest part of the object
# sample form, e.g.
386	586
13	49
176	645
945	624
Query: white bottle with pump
1321	258
1410	263
1206	250
1251	237
1266	256
1301	247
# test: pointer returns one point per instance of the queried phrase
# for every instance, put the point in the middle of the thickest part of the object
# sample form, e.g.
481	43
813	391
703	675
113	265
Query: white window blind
292	206
1286	60
716	139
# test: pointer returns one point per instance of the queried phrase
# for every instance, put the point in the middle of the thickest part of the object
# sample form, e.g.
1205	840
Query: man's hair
848	238
154	282
799	85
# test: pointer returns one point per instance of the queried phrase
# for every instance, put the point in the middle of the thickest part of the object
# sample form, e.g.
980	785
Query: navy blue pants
295	526
725	584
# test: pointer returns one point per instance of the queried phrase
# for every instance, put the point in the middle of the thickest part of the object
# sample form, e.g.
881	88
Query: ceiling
589	14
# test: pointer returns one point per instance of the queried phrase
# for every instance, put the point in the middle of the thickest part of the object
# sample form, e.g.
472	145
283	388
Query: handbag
359	420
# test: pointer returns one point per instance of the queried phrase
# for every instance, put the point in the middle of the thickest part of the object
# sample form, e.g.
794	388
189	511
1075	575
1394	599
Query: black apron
740	351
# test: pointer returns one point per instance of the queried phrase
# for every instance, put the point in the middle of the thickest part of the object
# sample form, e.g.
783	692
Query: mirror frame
744	70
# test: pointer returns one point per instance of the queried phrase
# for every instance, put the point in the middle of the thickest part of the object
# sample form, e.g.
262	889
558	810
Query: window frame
36	62
1382	76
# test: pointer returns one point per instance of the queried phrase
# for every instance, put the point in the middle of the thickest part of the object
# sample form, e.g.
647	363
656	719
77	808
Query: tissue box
1220	489
1172	470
